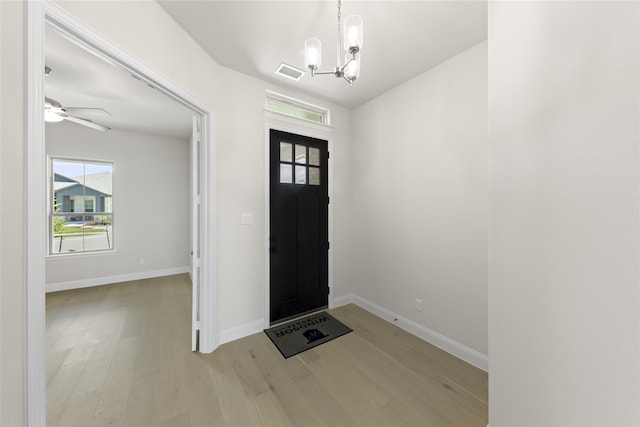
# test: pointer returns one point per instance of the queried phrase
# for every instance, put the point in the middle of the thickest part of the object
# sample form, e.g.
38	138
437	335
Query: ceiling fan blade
52	102
86	122
87	110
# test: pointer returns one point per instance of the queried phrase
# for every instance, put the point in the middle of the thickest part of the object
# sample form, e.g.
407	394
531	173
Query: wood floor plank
80	408
119	355
358	394
282	385
170	387
270	411
112	405
55	360
232	399
93	375
122	361
324	404
141	402
59	390
204	408
181	420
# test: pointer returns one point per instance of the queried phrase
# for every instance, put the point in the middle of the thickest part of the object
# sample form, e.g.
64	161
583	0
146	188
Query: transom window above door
292	107
299	164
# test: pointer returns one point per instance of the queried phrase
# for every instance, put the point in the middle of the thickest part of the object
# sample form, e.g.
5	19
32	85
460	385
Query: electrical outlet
418	304
142	260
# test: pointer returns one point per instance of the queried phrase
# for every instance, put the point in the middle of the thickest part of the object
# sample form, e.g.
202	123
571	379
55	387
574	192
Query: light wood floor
120	355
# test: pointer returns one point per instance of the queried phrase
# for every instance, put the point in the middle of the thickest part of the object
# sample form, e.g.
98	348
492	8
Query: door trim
38	14
284	123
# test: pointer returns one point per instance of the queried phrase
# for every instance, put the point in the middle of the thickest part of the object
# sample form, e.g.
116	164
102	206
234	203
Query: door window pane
301	174
314	156
301	154
314	176
285	152
286	175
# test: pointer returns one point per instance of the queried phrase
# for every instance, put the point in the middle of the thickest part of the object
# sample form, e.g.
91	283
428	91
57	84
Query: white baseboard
107	280
241	331
343	300
453	347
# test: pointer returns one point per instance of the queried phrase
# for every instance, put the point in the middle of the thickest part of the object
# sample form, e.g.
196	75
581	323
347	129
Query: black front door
299	259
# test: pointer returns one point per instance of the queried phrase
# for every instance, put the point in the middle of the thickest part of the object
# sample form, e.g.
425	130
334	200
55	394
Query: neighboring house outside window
81	206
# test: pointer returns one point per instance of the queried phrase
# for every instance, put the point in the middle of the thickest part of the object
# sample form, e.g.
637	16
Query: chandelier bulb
352	66
313	53
353	32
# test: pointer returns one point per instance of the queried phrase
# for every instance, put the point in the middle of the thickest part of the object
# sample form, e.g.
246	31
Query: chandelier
352	42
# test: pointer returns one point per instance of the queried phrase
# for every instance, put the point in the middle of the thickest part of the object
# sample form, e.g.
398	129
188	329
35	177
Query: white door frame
196	220
296	126
38	14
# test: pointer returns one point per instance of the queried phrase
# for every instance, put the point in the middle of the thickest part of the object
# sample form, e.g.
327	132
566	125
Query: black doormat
299	335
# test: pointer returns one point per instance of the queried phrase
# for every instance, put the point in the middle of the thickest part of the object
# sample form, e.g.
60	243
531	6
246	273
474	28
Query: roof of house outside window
100	182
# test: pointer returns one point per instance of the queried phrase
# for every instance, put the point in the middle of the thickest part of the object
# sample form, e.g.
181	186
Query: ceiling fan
55	112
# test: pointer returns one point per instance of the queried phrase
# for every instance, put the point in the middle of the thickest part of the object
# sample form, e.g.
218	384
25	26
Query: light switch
247	219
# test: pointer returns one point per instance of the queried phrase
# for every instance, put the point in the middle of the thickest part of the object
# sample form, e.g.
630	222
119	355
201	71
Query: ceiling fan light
313	53
51	117
353	33
352	69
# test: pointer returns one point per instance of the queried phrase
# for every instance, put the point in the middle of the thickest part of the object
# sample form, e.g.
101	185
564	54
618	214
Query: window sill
80	255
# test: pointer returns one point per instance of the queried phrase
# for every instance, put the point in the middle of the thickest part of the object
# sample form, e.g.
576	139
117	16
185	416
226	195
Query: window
81	206
290	164
295	108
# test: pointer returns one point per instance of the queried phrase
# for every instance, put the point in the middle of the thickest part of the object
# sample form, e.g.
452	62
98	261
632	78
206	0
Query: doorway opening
39	16
299	225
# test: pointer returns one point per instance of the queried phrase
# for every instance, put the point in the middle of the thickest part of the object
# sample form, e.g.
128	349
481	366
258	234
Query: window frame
51	202
299	107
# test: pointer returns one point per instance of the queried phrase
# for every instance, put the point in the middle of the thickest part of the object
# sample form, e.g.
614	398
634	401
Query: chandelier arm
315	73
348	62
348	80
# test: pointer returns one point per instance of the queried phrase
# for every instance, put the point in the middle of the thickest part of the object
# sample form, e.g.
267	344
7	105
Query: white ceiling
81	79
402	39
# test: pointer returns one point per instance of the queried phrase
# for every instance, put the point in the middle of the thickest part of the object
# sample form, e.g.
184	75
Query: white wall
11	214
419	175
564	233
151	203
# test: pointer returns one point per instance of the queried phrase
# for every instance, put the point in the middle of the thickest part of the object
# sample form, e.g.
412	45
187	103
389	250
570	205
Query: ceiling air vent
289	71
